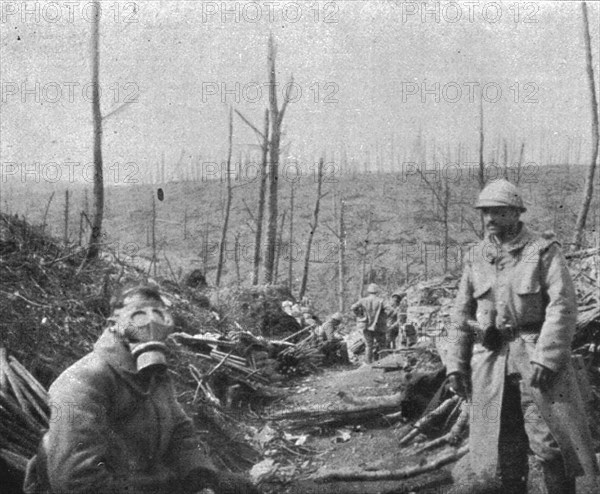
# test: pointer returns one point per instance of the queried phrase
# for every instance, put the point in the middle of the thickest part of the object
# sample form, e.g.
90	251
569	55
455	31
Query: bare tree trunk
276	121
153	233
364	255
481	175
205	243
341	257
520	164
185	224
505	159
93	247
45	217
80	228
261	199
313	229
227	204
236	256
445	210
278	250
291	241
589	179
66	218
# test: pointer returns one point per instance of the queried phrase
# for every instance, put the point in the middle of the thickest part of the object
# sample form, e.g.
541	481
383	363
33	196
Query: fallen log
430	417
3	378
400	474
33	383
15	460
313	416
393	400
454	436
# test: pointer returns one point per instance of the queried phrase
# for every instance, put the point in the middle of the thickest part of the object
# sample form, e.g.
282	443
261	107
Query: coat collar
115	353
524	237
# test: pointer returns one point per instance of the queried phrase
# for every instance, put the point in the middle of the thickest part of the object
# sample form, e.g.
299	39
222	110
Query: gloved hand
492	339
457	384
233	483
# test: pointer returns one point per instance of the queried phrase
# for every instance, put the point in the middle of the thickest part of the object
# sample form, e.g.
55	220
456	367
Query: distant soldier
334	346
396	317
518	352
328	331
373	312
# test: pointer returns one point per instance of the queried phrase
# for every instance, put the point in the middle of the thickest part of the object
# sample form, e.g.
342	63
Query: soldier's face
500	220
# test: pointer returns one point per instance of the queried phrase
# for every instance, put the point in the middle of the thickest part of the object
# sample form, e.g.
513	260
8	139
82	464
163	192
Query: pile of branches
249	360
52	302
585	271
302	358
436	439
24	412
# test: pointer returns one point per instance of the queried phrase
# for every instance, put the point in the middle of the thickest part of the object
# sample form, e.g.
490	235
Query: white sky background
372	49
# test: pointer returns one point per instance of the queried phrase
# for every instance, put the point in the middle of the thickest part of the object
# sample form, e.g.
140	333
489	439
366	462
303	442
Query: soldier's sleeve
553	348
186	452
76	443
458	338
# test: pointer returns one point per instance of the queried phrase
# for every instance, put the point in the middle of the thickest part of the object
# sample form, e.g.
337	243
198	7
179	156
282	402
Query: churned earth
369	446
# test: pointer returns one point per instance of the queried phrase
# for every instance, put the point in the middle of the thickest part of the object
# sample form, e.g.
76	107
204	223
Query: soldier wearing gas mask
517	353
116	425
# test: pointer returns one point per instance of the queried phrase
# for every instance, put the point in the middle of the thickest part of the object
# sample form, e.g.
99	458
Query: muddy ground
366	446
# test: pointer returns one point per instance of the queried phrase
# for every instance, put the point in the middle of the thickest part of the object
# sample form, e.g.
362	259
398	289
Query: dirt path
368	446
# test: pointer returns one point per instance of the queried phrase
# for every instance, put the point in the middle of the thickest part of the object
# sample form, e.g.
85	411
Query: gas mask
144	326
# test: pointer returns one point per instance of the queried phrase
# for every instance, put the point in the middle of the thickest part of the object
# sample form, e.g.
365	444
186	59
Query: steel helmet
337	317
400	295
500	193
373	288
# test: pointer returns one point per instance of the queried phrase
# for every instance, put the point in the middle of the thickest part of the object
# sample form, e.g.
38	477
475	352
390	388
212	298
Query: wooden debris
403	473
430	417
24	412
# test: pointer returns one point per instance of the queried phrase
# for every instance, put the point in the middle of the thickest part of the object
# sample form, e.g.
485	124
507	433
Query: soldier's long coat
112	433
531	286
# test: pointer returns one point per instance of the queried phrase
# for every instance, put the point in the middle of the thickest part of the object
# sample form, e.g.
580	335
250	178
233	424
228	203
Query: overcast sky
359	68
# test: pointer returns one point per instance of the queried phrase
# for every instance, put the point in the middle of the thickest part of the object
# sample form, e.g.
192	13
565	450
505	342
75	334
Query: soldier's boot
556	479
369	355
513	486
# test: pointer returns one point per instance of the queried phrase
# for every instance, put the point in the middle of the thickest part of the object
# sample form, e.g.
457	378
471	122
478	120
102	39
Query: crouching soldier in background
371	307
116	426
333	345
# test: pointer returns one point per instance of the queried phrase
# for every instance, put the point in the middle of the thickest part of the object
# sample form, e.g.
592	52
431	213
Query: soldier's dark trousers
372	338
520	425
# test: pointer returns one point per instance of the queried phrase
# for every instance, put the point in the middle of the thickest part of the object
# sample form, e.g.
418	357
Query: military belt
511	333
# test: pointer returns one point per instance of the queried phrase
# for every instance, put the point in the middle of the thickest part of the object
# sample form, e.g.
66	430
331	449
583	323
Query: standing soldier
371	308
517	353
396	319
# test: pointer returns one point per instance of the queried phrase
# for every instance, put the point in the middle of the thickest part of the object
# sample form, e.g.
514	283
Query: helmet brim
497	204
